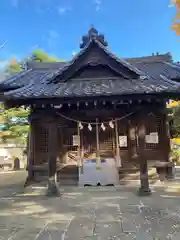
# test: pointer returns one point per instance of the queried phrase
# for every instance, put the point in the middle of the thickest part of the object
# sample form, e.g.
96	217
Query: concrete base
144	192
52	190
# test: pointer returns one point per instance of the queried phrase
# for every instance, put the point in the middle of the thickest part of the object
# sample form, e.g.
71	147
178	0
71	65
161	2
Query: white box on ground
107	173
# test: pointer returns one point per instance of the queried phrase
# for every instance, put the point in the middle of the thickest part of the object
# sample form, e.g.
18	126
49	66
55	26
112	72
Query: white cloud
3	64
43	6
15	3
74	53
62	10
98	4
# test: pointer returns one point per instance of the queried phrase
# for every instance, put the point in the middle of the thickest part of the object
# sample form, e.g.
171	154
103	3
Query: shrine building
96	105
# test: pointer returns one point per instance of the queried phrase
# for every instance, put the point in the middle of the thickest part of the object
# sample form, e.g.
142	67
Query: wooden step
68	169
68	175
68	182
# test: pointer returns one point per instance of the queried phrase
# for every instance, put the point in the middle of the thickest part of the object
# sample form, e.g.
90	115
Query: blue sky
132	28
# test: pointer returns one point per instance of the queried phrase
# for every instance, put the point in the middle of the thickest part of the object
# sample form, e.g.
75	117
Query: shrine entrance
104	146
94	138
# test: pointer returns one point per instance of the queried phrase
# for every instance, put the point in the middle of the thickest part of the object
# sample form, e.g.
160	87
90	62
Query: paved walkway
11	182
97	213
92	213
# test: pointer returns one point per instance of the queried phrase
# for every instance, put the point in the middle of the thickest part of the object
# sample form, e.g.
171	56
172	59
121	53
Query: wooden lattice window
41	142
106	139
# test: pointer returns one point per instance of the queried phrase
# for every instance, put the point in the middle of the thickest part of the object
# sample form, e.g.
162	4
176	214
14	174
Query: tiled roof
34	83
24	78
37	72
37	82
155	69
96	87
167	57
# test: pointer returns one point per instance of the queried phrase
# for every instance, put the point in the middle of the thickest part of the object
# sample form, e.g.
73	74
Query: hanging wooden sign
76	140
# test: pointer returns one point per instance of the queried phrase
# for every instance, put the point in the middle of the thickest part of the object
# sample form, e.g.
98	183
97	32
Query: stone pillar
144	189
53	189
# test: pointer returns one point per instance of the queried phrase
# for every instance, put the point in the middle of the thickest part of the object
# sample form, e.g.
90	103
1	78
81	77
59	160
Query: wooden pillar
166	144
79	150
52	158
30	150
79	147
132	143
144	189
118	158
97	145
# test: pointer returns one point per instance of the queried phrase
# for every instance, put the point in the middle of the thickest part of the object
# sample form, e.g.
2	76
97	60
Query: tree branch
2	45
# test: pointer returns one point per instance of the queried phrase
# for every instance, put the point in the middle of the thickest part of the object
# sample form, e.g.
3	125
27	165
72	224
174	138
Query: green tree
37	55
14	66
41	56
13	122
175	121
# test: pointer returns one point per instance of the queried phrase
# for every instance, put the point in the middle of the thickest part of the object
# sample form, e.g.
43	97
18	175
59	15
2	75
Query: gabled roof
40	80
110	54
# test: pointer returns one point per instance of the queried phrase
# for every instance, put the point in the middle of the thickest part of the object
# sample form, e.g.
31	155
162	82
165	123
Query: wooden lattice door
107	142
88	142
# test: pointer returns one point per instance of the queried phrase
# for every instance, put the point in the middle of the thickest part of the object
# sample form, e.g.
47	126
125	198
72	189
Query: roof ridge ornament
93	34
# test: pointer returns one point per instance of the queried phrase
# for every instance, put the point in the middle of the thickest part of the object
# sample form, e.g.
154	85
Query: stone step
67	182
69	169
74	176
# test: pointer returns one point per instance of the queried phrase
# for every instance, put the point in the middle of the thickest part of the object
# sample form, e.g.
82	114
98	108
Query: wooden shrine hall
95	106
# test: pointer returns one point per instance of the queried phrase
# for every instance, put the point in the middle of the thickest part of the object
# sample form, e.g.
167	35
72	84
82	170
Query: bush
175	155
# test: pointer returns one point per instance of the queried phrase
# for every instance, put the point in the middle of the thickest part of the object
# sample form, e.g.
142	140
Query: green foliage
37	55
174	119
13	122
175	154
13	67
41	56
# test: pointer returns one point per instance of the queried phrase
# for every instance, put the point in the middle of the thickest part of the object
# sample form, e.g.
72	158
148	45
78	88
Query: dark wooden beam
10	102
53	189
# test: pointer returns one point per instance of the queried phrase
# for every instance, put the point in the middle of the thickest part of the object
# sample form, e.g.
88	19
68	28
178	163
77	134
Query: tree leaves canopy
14	122
176	20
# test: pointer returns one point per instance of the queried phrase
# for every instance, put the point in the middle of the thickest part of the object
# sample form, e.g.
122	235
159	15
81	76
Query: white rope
94	123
